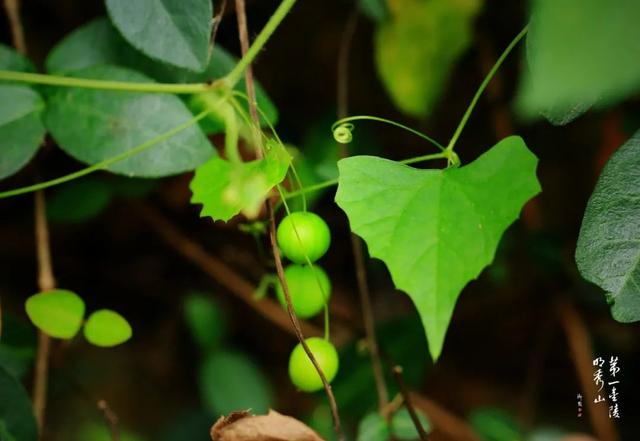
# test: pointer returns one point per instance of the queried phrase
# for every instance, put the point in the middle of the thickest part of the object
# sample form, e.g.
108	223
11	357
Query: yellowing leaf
225	188
416	48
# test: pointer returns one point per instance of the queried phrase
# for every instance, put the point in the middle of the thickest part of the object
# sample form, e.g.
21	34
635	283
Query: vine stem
107	162
110	418
397	373
332	182
46	282
185	88
247	57
387	121
368	318
125	86
483	86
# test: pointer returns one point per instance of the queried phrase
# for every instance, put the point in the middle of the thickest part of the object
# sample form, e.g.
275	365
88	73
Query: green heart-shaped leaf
436	229
58	312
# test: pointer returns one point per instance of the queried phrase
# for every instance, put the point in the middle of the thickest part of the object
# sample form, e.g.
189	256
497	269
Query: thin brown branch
397	373
244	44
110	418
17	32
582	355
356	243
344	54
46	282
243	33
218	270
534	376
445	424
217	19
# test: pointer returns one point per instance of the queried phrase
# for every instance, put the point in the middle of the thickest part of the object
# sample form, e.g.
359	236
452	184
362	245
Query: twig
217	19
533	377
218	270
17	32
397	373
582	355
46	282
244	44
111	419
444	422
344	54
356	243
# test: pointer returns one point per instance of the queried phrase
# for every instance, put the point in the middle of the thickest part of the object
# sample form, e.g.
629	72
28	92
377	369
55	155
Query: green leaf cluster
229	380
60	313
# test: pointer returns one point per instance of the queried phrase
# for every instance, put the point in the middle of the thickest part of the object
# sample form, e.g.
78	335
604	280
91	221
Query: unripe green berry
309	288
303	233
302	372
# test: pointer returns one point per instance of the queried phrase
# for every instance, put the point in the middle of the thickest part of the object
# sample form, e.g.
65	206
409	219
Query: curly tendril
343	134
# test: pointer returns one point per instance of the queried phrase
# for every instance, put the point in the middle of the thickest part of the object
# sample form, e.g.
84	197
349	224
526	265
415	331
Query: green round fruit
311	236
309	288
302	372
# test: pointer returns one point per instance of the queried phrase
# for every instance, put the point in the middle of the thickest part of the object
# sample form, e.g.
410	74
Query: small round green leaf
78	201
403	427
373	428
206	321
106	328
230	381
58	312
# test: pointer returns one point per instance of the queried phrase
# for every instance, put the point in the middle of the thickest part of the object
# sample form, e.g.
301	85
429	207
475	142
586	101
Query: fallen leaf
241	426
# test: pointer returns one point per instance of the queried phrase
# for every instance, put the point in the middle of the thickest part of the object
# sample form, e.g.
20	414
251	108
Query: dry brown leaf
241	426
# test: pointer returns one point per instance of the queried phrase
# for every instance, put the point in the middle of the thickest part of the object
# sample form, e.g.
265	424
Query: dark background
506	346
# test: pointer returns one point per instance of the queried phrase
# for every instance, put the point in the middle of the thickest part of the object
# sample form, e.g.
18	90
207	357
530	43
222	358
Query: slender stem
582	356
236	73
294	320
87	83
387	121
397	373
332	182
107	162
218	270
441	155
110	418
17	32
46	282
248	56
483	86
356	242
311	188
